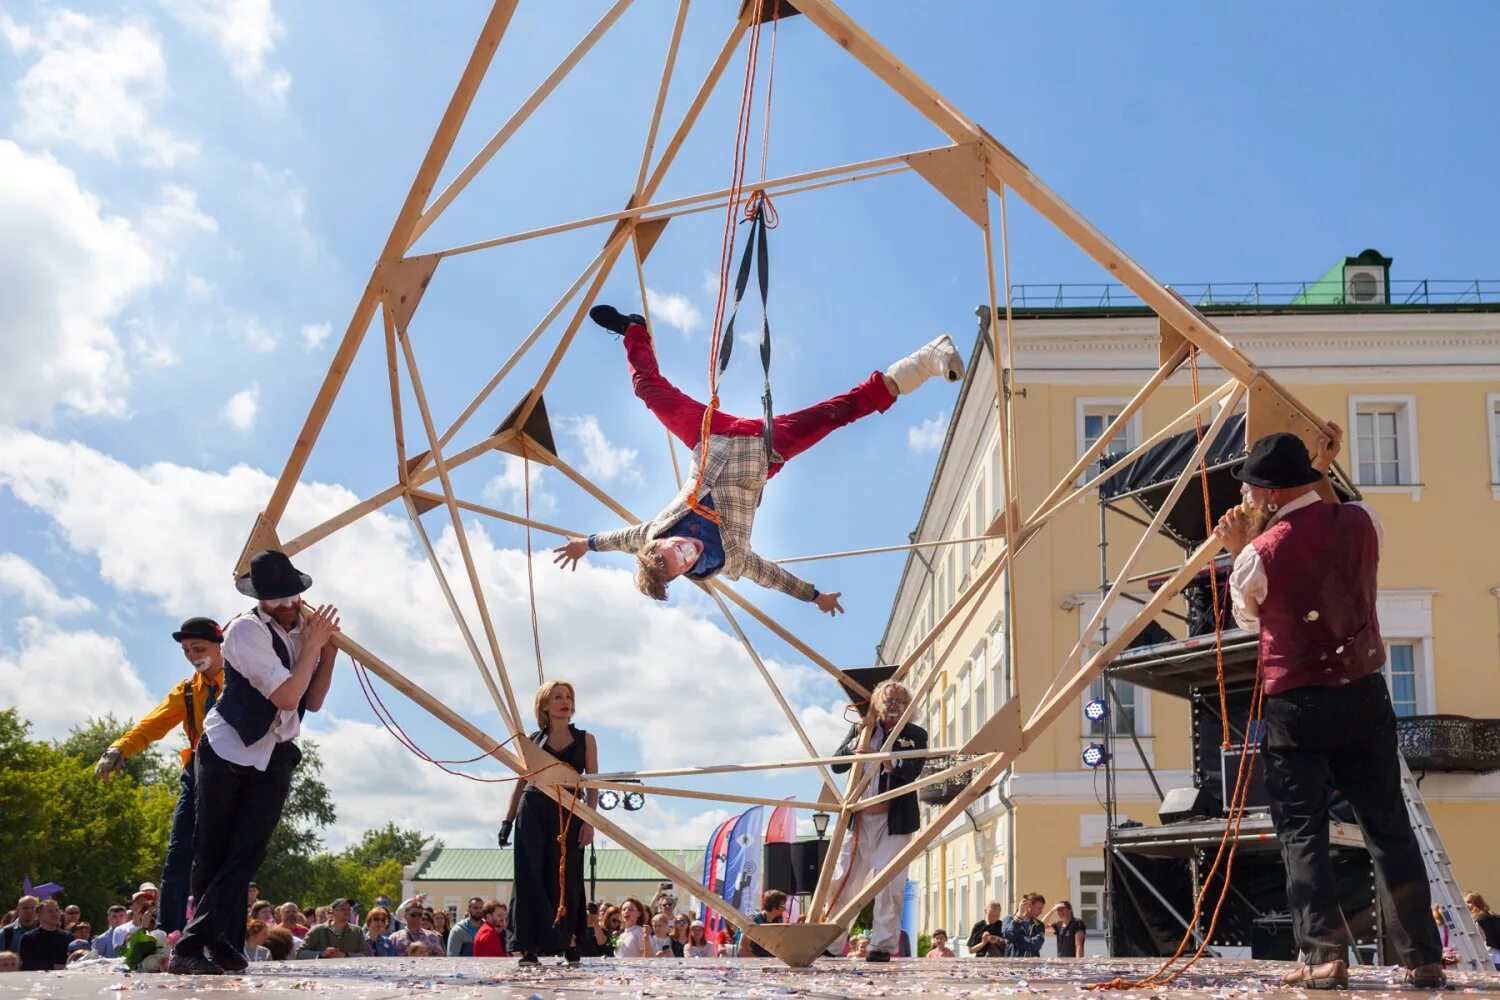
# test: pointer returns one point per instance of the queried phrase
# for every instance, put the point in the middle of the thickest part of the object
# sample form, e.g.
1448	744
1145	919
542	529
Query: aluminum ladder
1464	935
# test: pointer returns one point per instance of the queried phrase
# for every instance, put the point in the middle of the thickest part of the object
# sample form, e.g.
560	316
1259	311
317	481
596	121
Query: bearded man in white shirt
277	666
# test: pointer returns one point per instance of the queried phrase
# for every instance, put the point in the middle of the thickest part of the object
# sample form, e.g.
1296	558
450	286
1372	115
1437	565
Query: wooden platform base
501	979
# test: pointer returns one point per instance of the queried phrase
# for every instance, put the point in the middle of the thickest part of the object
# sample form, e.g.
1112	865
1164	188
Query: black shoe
193	965
228	957
878	956
571	956
613	320
529	959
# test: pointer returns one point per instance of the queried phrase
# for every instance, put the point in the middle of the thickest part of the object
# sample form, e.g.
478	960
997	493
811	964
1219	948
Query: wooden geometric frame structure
967	173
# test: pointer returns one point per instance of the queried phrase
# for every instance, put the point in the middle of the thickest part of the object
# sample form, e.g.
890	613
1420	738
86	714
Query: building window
999	678
965	547
1401	674
1094	418
981	707
1088	899
1492	418
952	578
950	718
997	481
963	706
1385	440
979	526
1121	723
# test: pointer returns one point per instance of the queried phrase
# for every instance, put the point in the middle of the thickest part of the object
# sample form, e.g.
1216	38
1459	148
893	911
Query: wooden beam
693	793
776	765
393	374
516	120
661	94
395	245
957	173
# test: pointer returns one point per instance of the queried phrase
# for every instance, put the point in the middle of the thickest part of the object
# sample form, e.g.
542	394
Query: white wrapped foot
938	358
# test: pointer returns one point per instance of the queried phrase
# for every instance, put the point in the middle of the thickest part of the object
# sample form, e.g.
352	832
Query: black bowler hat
271	577
1278	462
199	628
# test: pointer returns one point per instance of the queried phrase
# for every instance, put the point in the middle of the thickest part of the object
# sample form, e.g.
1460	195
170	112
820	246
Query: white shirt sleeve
247	645
1247	583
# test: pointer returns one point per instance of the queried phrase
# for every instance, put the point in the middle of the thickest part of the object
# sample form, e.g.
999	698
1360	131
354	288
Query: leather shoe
226	956
1327	976
193	965
1427	977
613	320
878	956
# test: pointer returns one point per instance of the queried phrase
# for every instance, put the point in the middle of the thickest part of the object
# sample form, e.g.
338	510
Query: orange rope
1230	840
1213	567
564	823
536	631
726	252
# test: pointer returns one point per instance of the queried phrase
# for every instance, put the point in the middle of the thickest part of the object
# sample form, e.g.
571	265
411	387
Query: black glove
505	829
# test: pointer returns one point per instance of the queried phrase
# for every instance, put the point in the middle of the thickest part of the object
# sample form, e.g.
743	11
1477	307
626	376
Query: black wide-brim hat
1278	462
272	576
199	628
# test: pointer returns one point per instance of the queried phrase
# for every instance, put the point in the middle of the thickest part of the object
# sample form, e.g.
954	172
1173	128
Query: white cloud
246	31
67	271
509	487
153	354
93	85
58	679
35	589
313	335
674	310
257	336
242	409
176	215
928	435
130	520
602	460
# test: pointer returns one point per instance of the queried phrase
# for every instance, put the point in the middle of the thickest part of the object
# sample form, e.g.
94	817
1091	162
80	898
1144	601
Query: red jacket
489	942
1317	624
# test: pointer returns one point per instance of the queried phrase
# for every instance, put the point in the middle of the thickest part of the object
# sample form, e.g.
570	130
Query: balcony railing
1409	292
944	791
1449	743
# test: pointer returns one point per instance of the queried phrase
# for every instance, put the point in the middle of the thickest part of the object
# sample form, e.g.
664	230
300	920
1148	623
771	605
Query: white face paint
684	552
203	664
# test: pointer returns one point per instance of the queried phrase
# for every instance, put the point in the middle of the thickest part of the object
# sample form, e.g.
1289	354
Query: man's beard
1256	517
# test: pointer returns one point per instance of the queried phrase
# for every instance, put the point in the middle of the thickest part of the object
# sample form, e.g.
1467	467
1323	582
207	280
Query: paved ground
500	979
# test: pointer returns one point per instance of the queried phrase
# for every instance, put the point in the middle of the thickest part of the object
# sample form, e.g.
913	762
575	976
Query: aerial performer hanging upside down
681	541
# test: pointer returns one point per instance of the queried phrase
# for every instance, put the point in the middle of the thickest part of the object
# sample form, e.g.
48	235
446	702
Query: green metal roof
492	864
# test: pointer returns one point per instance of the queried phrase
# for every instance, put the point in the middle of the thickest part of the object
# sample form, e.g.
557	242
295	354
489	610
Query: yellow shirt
186	706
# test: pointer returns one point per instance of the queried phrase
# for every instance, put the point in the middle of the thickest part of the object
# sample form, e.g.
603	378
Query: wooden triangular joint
423	501
404	281
262	537
532	440
1269	411
1001	734
771	10
958	173
647	232
798	945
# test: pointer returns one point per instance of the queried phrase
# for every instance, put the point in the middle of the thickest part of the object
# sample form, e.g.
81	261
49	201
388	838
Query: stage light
609	799
634	801
1096	710
1094	755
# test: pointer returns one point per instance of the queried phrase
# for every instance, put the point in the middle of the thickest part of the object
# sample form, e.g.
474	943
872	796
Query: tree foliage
58	823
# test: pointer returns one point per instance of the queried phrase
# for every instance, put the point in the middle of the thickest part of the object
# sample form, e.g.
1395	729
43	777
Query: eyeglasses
282	602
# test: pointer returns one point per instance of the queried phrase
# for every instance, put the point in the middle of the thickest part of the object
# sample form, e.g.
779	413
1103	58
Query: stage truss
974	173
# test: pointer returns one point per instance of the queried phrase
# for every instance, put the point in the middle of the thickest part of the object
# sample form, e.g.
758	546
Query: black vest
249	713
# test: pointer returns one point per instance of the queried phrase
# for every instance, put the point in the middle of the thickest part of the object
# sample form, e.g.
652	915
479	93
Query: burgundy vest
1317	623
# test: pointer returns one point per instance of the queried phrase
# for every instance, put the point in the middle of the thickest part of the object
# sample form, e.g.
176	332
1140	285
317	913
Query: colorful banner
713	862
909	920
782	829
742	870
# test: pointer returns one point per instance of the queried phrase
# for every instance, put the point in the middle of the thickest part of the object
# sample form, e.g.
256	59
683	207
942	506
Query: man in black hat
186	705
277	666
1305	577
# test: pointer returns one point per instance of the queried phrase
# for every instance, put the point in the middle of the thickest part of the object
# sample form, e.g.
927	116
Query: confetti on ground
671	979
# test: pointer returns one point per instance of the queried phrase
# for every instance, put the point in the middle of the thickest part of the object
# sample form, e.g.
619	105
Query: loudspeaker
1186	803
1256	796
794	868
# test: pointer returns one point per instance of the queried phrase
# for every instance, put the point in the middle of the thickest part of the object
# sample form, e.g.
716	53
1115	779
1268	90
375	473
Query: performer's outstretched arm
773	577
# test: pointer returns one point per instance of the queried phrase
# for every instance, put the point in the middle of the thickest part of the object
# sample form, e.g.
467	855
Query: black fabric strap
755	246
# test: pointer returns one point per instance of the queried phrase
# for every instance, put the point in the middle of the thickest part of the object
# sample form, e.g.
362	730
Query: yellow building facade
1417	389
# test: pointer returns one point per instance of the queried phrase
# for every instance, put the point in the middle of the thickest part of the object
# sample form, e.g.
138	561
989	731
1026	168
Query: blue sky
193	192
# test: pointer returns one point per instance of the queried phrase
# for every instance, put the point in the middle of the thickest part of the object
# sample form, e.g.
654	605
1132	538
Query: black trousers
533	909
1345	736
236	809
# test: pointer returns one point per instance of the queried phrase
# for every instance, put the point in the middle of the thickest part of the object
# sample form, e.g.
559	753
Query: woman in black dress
536	821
